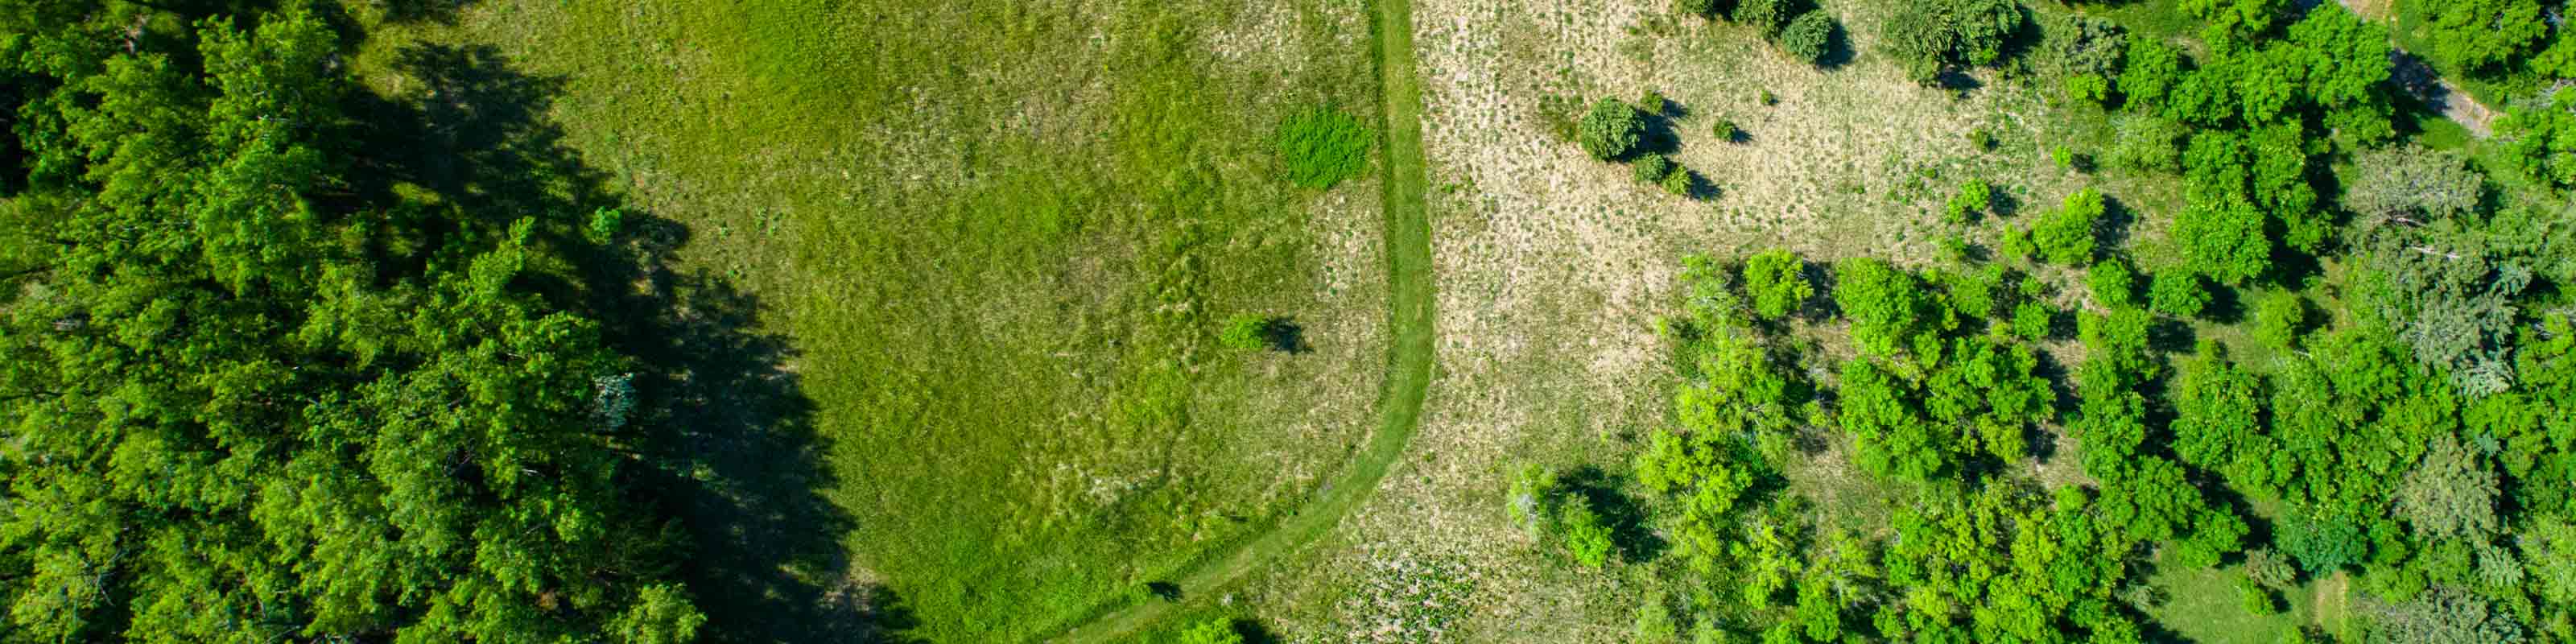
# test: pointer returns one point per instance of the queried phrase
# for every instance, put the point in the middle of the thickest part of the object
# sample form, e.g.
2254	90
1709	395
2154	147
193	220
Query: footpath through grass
1407	238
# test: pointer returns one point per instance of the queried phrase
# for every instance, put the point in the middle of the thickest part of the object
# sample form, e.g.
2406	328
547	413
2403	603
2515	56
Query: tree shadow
1838	49
1284	335
725	440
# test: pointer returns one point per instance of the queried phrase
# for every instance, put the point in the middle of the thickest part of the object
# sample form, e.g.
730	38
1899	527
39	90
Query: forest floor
999	262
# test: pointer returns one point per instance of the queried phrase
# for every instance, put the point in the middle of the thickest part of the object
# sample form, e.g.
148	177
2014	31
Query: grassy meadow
1000	237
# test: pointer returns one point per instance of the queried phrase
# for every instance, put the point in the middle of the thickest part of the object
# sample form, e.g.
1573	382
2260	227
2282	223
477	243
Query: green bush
2016	245
1766	98
2031	320
1653	103
2256	599
1213	631
2177	292
2113	284
1928	37
1679	181
1982	139
1723	128
1585	537
1651	168
1611	129
1768	16
1700	8
1776	280
2280	318
1808	36
2145	142
1322	147
2066	236
1973	197
1246	331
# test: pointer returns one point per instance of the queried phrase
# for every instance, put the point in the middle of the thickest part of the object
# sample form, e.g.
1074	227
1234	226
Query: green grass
1407	240
1000	235
2202	605
1322	147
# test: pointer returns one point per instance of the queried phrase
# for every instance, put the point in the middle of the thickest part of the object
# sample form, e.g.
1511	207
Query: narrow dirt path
1407	236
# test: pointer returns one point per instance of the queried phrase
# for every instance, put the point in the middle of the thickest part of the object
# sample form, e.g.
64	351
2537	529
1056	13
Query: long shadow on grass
723	443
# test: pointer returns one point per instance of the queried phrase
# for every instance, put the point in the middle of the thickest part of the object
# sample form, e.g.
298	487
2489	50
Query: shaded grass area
998	236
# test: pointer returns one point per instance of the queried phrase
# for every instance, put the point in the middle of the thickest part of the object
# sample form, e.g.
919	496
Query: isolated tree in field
2176	291
1809	36
1679	181
1650	168
2280	318
2066	236
1611	129
1776	280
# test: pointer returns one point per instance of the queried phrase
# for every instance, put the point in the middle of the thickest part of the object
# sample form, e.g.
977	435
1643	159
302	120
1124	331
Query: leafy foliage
247	405
1928	37
2480	35
2541	139
1889	309
2411	186
2066	236
2113	284
1611	129
1809	36
1777	282
2177	292
1213	631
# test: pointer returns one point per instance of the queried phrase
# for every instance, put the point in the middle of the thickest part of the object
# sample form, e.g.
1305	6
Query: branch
2428	250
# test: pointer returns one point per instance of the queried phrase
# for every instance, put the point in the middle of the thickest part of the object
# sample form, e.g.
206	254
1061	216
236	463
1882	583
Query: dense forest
278	368
2355	360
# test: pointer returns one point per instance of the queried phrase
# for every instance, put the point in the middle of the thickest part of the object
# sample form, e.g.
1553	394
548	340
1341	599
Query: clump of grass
1321	147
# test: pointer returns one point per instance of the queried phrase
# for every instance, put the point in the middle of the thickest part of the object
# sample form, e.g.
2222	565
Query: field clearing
1552	266
1000	259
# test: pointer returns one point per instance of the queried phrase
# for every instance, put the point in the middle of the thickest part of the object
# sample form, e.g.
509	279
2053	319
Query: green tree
2146	142
1651	168
2225	240
2411	185
1655	624
2113	284
1769	16
2541	139
1928	37
1808	36
1213	631
2280	318
2479	35
1585	536
1611	129
2449	495
2066	236
2176	291
1776	280
1889	308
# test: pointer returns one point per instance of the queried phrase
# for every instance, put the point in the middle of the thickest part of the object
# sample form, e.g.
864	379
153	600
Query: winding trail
1407	238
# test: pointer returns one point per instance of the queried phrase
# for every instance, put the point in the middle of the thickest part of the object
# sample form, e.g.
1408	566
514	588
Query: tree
2147	142
2226	240
1611	129
1213	631
2541	139
2217	410
2321	544
2410	185
2084	47
1679	182
2449	495
2113	284
1769	16
2176	291
2280	318
1585	536
237	413
1891	435
2066	236
1974	197
1777	282
2151	71
2479	35
2445	616
1809	36
1888	307
1651	168
1655	623
1928	37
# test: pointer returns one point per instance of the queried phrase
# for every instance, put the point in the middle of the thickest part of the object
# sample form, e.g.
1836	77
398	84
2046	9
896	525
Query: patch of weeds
1323	146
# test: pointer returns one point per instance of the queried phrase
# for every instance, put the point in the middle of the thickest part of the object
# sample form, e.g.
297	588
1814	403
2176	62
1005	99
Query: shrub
1611	129
1679	181
2066	236
1700	8
2016	244
2280	318
2031	320
1981	139
2145	142
605	223
1768	16
1213	631
1928	37
2177	292
1651	168
1653	103
1973	197
2543	138
1776	280
1767	99
1246	331
1723	128
1585	537
1322	147
2113	284
1809	36
2256	599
